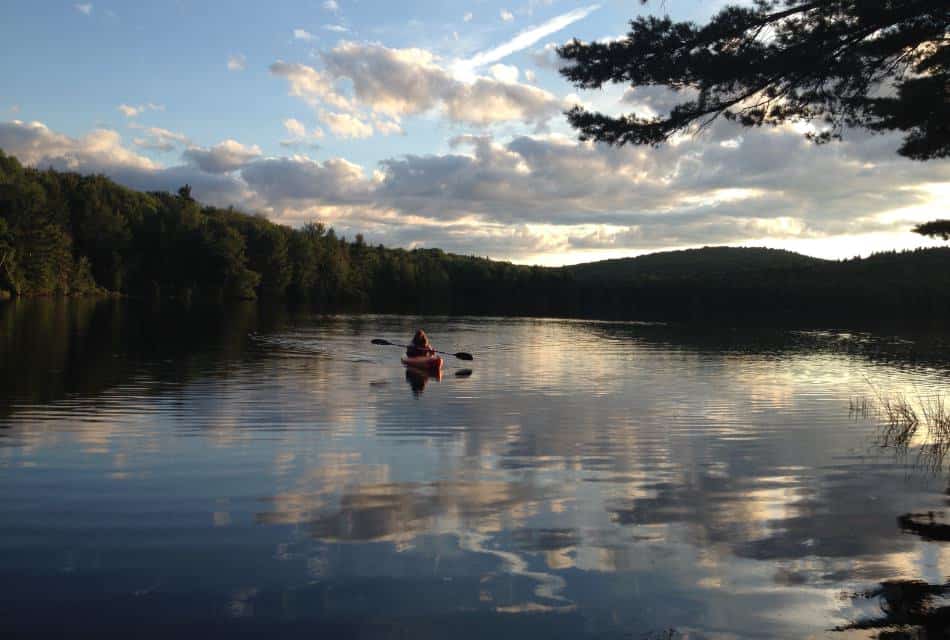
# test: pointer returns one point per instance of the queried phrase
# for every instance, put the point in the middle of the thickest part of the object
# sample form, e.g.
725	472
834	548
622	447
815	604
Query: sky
429	124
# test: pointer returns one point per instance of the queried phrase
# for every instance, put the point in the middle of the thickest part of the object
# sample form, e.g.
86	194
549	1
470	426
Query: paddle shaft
461	355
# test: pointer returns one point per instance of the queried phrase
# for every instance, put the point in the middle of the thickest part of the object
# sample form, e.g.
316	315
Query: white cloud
338	28
650	101
223	157
346	125
154	145
487	101
301	34
546	193
130	111
387	126
102	151
33	143
772	184
504	72
529	37
295	127
283	180
506	15
400	82
467	17
159	139
394	81
299	135
237	62
310	84
84	8
529	75
331	5
546	57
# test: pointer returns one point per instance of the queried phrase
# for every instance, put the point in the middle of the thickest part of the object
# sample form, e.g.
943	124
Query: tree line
63	233
66	234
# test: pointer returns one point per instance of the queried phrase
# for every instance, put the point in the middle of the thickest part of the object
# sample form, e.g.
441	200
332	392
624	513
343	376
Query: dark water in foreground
181	473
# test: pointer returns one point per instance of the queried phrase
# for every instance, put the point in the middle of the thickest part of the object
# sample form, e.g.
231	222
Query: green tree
222	255
101	213
934	229
268	254
7	256
48	261
878	64
302	253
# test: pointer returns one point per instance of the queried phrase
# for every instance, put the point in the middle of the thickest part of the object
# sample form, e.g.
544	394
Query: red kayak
424	363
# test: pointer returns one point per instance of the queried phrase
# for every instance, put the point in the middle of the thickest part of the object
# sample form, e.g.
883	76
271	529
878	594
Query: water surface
188	472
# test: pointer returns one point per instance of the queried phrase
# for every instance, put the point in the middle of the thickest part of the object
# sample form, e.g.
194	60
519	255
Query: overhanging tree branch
934	229
823	61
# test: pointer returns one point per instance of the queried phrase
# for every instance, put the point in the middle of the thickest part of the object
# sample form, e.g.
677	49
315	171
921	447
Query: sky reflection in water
248	470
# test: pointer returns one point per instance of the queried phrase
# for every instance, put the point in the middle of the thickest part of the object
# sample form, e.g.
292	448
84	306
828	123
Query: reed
860	407
902	419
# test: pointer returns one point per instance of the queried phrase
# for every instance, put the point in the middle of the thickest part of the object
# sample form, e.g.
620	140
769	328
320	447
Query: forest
63	233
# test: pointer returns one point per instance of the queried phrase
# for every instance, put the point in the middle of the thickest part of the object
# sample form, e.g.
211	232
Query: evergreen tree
7	256
877	64
882	65
936	228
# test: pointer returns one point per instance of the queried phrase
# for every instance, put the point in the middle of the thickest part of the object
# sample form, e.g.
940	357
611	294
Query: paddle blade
385	343
461	355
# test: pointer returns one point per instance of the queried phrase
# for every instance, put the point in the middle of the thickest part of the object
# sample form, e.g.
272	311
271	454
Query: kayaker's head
420	339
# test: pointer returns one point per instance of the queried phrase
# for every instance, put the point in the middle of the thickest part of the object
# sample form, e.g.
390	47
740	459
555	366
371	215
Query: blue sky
427	124
175	55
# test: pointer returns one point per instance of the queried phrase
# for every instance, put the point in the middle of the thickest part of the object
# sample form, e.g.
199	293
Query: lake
178	472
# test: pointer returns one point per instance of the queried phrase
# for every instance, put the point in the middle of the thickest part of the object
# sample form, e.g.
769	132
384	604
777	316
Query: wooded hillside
67	234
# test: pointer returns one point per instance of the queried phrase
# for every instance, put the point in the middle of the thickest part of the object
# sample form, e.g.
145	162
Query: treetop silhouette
881	65
934	229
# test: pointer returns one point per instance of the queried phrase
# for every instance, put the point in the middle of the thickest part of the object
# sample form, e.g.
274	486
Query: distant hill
693	263
764	286
901	268
66	234
750	266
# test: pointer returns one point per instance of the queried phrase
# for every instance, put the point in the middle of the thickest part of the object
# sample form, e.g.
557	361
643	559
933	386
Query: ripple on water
636	476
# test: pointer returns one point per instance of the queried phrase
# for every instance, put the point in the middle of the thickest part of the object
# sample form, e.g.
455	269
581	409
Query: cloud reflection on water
706	484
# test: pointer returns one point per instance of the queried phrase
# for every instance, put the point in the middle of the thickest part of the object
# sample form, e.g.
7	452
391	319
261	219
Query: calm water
271	472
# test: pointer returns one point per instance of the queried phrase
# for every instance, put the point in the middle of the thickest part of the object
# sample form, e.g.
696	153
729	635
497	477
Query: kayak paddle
461	355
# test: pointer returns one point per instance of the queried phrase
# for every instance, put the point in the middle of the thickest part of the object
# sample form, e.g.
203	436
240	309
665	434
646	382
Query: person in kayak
419	346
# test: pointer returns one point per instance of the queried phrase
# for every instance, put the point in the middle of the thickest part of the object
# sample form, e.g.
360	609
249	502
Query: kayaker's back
419	346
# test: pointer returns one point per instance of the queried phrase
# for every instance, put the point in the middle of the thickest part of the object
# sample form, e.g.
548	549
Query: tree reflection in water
911	609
